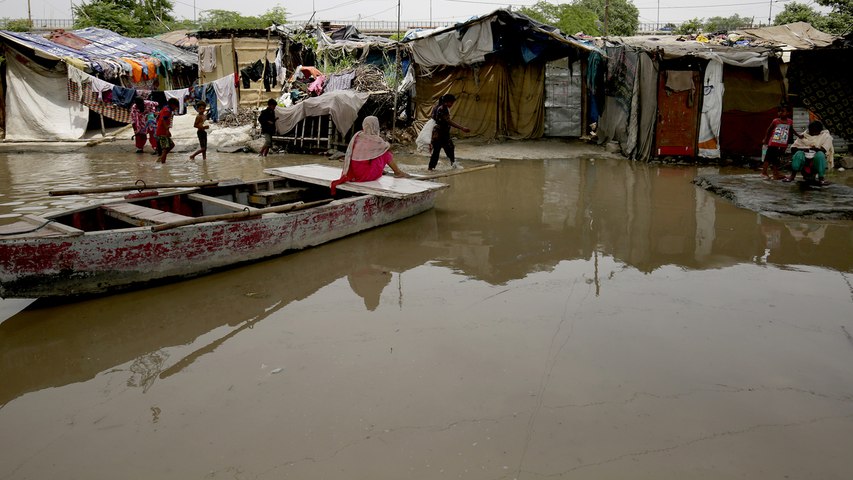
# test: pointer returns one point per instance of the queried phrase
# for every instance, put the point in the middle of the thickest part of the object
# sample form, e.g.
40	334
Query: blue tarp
105	45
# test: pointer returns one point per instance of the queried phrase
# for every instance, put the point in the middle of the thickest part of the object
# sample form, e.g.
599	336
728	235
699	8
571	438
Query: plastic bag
425	137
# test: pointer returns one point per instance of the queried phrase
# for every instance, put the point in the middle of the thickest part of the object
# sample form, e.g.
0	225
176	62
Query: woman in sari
367	155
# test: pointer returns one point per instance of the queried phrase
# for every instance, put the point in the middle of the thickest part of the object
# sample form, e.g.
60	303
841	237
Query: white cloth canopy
342	105
37	104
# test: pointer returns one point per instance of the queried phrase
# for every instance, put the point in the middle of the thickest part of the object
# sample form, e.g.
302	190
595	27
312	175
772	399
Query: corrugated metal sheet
563	99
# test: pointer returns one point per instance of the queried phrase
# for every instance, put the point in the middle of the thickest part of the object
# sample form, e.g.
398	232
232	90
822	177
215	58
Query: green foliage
127	17
341	63
623	17
796	12
227	19
725	24
17	25
570	19
836	22
276	15
690	27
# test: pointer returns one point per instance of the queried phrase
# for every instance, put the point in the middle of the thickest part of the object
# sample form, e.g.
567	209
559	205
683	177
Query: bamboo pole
290	207
124	188
451	173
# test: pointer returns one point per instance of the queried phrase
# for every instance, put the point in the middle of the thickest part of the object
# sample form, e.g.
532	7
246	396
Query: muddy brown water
548	319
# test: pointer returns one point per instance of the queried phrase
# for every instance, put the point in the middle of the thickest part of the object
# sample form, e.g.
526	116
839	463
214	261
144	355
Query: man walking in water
441	132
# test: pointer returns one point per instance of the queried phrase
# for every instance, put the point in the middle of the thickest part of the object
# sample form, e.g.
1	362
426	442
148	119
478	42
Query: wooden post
236	66
103	129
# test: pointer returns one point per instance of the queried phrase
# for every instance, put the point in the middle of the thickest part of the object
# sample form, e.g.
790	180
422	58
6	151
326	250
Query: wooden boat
150	237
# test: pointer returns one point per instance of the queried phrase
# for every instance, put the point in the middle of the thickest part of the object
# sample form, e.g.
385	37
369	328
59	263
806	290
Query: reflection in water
51	344
563	299
368	284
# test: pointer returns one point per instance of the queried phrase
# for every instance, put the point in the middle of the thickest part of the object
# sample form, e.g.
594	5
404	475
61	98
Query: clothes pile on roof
105	53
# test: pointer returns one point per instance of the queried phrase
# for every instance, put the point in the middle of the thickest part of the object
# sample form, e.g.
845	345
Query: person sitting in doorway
810	154
367	155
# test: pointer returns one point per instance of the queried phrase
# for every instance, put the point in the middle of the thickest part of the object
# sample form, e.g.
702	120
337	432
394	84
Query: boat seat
269	198
141	216
33	226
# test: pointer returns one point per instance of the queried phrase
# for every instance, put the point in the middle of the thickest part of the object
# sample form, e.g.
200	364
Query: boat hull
105	261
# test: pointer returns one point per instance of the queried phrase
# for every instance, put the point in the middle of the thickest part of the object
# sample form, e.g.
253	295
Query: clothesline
220	95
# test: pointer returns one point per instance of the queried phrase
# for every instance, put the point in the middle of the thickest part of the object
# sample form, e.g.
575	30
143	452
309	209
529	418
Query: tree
227	19
839	21
276	15
623	16
570	19
690	27
725	24
17	25
796	12
126	17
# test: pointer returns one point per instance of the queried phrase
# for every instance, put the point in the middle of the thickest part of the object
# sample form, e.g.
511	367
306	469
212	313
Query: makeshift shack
48	80
260	59
512	76
700	96
665	96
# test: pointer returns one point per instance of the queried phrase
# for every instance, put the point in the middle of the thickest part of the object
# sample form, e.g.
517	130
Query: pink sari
366	157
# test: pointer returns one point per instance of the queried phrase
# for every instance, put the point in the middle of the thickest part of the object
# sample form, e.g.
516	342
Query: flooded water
548	319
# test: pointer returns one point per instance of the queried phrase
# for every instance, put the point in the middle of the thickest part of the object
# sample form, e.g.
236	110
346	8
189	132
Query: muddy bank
776	198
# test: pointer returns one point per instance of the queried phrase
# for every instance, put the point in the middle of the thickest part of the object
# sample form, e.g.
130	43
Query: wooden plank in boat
139	215
224	204
33	226
280	195
386	186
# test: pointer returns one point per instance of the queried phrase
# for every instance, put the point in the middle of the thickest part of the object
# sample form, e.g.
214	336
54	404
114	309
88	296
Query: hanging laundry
210	99
181	95
207	58
270	77
165	65
158	96
253	73
99	87
316	86
136	69
341	81
281	71
123	97
106	109
679	80
226	93
76	76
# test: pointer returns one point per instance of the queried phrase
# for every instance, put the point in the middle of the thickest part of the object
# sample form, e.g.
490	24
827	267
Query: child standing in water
201	131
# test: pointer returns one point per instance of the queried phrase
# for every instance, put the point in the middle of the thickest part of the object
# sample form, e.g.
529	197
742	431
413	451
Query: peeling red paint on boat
98	261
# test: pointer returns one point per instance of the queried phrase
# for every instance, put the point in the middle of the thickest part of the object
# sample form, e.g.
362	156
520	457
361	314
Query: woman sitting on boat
367	155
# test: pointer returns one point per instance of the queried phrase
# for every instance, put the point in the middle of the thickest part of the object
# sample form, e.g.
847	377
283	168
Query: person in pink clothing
367	155
142	130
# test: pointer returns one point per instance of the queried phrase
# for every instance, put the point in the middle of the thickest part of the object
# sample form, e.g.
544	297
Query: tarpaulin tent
495	66
37	105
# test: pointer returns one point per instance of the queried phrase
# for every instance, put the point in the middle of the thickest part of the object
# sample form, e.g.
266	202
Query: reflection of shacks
669	97
37	103
498	68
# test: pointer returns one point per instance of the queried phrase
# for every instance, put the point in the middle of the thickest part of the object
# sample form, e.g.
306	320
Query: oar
253	212
136	186
430	176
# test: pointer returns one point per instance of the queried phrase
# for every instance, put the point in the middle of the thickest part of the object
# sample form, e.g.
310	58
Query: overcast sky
414	11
